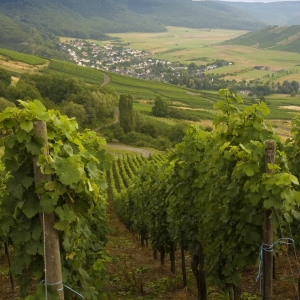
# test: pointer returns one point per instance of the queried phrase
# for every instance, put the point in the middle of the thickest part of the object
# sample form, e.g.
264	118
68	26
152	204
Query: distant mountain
285	38
273	13
93	18
295	20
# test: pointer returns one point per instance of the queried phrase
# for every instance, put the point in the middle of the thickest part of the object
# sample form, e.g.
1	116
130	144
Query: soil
106	79
144	152
291	107
20	67
135	275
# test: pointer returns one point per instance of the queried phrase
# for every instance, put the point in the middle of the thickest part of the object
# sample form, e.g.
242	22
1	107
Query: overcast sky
259	0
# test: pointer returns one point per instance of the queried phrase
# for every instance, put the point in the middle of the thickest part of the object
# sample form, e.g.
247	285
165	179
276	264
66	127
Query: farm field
203	46
251	75
87	74
18	67
143	89
206	47
178	44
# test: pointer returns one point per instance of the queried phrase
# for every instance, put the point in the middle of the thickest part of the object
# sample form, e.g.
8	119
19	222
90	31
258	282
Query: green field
25	58
179	44
285	38
194	100
203	46
144	89
87	74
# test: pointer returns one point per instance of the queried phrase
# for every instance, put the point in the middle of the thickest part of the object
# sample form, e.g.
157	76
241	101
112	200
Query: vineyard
207	199
89	75
26	58
142	89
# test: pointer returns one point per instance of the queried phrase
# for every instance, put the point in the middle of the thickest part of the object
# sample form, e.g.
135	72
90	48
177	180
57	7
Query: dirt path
144	152
106	79
135	274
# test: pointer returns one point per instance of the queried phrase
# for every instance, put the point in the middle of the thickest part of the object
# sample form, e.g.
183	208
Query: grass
185	44
142	107
251	75
177	41
271	37
145	89
87	74
26	58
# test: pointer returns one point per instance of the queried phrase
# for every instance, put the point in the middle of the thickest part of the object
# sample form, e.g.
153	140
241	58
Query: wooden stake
270	150
172	257
183	267
52	251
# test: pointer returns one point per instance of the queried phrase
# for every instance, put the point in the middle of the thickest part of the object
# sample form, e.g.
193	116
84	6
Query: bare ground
144	152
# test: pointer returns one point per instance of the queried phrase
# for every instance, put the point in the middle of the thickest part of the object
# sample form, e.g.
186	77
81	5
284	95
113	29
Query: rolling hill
285	38
92	18
273	13
25	38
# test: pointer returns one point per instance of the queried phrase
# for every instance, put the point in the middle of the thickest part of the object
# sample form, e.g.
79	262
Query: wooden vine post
270	150
52	260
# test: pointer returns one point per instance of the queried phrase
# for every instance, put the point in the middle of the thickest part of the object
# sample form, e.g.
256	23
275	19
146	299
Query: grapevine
210	196
75	194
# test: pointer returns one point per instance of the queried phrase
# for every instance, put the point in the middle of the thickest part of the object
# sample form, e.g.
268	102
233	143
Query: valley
156	157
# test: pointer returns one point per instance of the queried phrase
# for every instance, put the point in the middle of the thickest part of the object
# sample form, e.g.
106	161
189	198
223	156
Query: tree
22	91
5	103
160	108
5	77
178	132
295	86
72	109
126	112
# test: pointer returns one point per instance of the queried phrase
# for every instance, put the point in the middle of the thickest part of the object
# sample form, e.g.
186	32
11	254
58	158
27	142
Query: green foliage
5	77
69	95
213	191
18	36
126	112
22	91
160	108
5	103
76	194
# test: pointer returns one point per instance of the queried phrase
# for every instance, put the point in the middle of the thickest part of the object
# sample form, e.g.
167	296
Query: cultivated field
18	67
202	46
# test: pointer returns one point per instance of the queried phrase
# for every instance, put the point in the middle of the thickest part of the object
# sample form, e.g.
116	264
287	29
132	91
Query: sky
258	0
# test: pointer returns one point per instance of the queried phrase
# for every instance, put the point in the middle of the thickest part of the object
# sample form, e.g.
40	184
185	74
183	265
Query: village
126	61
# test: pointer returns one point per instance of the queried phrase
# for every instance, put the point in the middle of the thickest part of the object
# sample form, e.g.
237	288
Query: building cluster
124	61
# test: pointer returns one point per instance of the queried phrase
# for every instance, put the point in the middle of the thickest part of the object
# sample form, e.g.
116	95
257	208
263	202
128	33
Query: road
144	152
106	79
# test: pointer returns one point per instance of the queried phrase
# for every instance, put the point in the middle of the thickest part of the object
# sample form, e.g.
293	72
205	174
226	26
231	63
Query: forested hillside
273	13
285	38
92	18
25	38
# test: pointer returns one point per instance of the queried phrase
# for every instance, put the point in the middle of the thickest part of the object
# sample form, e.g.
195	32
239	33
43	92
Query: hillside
273	13
25	38
285	38
92	18
295	20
